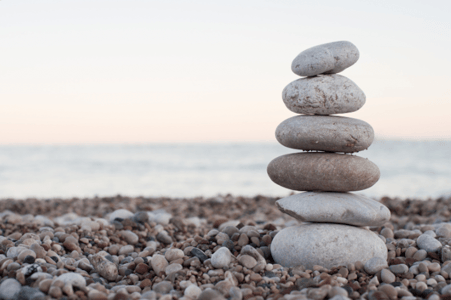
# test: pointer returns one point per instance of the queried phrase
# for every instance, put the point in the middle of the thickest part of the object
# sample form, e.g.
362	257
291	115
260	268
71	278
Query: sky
143	71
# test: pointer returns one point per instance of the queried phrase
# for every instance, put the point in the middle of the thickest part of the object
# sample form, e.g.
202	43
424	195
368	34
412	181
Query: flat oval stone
325	133
344	208
327	172
327	58
323	95
327	245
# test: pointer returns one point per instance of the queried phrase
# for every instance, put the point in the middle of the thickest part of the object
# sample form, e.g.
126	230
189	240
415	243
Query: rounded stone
325	133
247	261
9	289
387	276
329	172
74	279
158	263
172	268
323	95
428	243
325	59
174	254
120	214
327	245
221	258
130	237
192	291
344	208
375	264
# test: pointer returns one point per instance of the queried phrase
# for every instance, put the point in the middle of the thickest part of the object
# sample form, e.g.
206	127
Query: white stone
173	268
130	237
9	289
428	243
327	245
192	291
120	213
375	264
221	258
325	133
323	95
158	263
325	59
74	279
345	208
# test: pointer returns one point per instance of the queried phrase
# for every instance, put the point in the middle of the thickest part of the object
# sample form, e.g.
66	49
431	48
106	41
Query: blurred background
181	99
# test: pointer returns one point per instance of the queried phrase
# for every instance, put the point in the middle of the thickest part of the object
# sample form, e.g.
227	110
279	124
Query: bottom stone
327	245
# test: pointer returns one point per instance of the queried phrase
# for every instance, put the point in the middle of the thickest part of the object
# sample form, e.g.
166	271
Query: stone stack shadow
335	233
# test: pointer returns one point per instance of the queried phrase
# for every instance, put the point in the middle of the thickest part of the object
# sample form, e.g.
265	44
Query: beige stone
323	95
325	133
329	172
326	245
344	208
325	59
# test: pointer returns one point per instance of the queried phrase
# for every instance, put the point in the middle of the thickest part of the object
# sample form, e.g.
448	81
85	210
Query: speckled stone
325	59
327	245
323	95
325	133
328	172
345	208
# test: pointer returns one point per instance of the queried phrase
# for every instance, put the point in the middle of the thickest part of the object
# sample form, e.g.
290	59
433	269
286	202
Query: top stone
328	58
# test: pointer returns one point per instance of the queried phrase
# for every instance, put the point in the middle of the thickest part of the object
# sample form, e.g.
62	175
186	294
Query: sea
409	170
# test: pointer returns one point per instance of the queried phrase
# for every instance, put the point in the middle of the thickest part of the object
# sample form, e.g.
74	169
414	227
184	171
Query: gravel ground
215	248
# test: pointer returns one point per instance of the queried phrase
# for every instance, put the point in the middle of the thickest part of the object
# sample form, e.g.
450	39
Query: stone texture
375	264
104	267
325	59
9	289
328	172
428	243
323	95
221	258
74	279
327	245
345	208
325	133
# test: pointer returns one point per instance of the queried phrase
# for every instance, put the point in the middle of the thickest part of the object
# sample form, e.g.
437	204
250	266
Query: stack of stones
335	232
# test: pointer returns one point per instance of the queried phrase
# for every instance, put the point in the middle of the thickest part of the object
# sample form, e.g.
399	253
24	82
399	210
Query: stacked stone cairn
335	224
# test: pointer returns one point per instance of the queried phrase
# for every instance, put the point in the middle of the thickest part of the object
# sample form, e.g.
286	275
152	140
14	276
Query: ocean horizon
409	169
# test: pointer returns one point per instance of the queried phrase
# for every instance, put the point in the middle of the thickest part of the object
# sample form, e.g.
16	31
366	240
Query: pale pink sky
209	71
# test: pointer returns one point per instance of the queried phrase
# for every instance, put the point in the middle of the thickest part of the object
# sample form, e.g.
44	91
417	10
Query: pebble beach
206	248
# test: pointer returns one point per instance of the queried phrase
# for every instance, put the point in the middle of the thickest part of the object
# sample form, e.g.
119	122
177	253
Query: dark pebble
110	258
348	289
29	259
56	240
266	252
128	272
145	260
415	292
127	260
253	245
395	284
199	254
229	244
55	258
303	283
426	292
270	274
117	225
